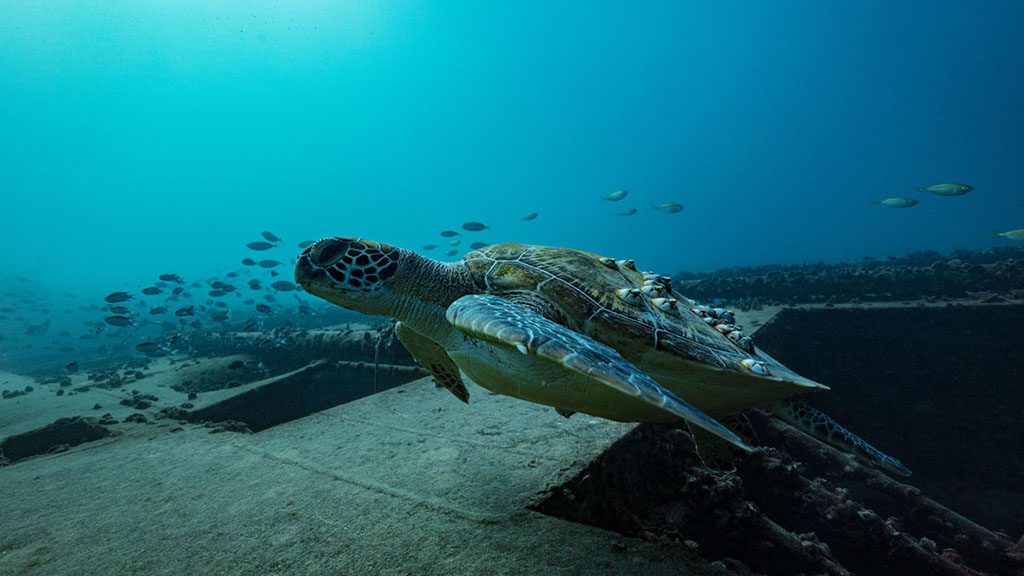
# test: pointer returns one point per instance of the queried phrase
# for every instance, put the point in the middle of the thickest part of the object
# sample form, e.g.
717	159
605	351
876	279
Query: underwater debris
823	515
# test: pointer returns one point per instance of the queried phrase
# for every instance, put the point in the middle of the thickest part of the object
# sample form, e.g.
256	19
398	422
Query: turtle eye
327	252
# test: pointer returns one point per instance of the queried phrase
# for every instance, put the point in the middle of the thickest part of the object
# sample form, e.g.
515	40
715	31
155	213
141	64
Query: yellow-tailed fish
1012	235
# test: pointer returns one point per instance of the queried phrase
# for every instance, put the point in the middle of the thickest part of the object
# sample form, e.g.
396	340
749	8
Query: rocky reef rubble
58	436
794	506
993	275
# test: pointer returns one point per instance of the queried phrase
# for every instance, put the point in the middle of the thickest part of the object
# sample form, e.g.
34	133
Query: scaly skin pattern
823	427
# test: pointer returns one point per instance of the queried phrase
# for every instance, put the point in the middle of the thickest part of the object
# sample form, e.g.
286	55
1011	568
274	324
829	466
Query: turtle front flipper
816	423
497	320
432	356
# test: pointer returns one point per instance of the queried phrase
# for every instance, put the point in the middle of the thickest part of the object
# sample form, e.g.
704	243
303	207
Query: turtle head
351	272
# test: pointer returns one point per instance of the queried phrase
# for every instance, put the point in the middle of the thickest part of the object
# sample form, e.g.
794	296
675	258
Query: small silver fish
429	246
269	263
283	286
627	212
668	207
259	246
896	202
451	253
616	196
478	245
455	242
948	189
450	234
270	236
151	291
248	262
306	244
530	216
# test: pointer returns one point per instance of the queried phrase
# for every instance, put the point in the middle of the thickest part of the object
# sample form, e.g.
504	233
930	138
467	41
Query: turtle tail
816	423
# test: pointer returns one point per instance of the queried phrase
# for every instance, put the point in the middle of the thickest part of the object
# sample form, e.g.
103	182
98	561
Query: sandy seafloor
408	481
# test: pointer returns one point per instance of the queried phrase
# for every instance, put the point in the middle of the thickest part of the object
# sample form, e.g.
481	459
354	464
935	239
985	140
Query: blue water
143	138
149	137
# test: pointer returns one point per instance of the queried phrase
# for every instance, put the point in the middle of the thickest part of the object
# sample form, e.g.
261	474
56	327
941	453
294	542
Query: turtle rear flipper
816	423
432	356
497	320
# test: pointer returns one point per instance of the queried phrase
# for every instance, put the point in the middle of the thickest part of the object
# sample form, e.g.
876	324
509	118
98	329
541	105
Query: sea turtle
573	330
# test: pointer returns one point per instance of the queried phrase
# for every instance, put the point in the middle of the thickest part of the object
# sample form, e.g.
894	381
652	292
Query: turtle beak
306	274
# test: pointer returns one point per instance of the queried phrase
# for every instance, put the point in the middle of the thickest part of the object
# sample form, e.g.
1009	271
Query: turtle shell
694	351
